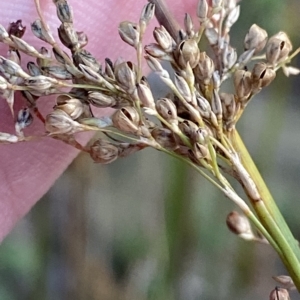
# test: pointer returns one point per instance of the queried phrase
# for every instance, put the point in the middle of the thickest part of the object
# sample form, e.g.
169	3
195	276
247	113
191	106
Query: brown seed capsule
101	100
242	83
183	88
228	106
72	106
216	105
125	74
126	119
204	69
256	39
165	137
129	33
167	109
188	128
82	39
200	151
163	38
145	96
279	294
187	52
240	225
68	35
104	152
33	69
59	122
262	75
278	48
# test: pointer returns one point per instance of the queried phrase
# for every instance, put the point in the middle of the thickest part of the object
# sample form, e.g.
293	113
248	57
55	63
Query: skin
29	169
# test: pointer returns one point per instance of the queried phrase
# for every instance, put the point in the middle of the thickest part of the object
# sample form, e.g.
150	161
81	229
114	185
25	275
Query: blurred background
147	226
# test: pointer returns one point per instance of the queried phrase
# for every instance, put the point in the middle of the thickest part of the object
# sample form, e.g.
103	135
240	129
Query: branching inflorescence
195	122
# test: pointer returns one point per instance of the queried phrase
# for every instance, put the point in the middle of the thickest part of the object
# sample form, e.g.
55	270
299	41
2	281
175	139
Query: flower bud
200	151
204	107
256	39
216	105
129	33
39	31
58	72
40	83
187	52
156	51
103	152
279	294
183	88
82	39
33	69
99	99
126	119
167	109
188	128
278	48
242	83
239	225
86	58
189	26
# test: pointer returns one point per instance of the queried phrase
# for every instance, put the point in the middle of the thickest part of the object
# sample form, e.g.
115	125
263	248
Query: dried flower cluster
194	122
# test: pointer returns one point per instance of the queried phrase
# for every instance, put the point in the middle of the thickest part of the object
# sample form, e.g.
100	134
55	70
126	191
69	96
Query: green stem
269	214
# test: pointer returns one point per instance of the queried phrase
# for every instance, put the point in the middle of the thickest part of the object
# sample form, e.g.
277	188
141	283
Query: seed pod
232	16
228	106
156	51
33	69
3	33
103	152
183	88
86	58
64	11
39	31
125	74
187	52
242	83
200	151
68	35
154	64
109	69
229	57
262	76
165	137
145	96
58	72
129	33
216	105
204	69
239	225
127	119
278	48
101	100
59	122
25	47
189	26
163	38
40	83
256	39
202	10
72	106
167	109
279	294
126	149
146	15
9	67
